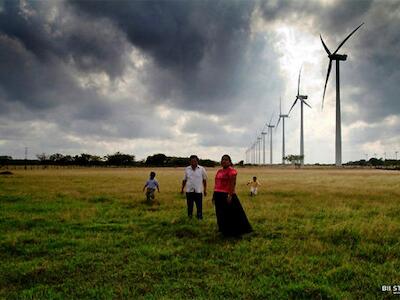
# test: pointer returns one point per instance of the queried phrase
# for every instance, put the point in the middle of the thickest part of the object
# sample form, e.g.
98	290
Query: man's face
193	162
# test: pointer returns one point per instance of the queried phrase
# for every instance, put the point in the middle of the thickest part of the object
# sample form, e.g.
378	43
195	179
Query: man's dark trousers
198	199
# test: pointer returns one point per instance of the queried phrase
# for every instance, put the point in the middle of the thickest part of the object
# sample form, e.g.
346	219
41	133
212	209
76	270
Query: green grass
87	233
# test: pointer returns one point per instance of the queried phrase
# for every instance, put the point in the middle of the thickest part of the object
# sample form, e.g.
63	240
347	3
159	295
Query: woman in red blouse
231	218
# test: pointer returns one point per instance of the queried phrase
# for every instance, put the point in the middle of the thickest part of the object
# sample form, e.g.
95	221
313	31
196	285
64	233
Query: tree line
375	162
117	159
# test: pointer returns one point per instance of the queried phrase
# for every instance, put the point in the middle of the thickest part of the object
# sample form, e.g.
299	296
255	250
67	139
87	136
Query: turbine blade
326	81
298	84
326	48
294	103
307	104
280	106
270	120
278	122
344	41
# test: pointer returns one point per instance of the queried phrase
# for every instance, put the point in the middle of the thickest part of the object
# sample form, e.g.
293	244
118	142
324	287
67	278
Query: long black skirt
231	218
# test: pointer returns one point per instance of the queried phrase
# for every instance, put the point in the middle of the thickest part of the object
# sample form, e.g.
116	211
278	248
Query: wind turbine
259	149
270	126
263	133
254	153
337	58
281	116
302	99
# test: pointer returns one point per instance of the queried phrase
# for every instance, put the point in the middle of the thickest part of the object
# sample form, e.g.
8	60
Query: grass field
86	233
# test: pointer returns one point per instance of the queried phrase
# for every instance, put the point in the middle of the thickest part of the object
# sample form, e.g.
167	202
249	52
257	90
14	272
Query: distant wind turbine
263	133
254	153
270	126
302	99
281	116
338	58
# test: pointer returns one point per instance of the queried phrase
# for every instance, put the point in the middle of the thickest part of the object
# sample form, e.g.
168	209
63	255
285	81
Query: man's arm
183	185
204	182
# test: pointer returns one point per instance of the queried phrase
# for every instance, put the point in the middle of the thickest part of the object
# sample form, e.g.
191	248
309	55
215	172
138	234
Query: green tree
156	160
294	159
120	159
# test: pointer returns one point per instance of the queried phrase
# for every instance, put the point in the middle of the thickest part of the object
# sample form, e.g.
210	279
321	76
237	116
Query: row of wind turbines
253	153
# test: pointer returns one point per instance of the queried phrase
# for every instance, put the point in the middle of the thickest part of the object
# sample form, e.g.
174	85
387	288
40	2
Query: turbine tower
302	99
254	153
281	116
259	149
270	126
263	133
337	58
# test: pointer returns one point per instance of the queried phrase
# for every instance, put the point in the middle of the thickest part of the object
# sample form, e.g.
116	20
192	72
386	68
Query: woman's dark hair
228	157
152	175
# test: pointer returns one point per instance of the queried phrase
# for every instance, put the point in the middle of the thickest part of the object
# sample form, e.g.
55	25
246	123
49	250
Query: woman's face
225	162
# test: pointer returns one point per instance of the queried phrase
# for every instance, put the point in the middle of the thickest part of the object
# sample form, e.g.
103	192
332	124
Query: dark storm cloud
200	50
198	47
177	33
41	56
51	31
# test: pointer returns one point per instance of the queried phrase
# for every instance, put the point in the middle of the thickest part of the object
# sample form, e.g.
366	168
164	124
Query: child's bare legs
150	196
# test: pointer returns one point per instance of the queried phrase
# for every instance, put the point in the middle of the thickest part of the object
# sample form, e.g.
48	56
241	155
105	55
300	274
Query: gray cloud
199	49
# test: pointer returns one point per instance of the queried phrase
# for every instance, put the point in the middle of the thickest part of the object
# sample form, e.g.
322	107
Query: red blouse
223	180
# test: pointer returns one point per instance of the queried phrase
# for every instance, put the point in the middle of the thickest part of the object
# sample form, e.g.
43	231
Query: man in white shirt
195	180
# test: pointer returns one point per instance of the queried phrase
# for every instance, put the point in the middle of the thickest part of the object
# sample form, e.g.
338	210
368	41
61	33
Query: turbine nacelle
338	57
301	97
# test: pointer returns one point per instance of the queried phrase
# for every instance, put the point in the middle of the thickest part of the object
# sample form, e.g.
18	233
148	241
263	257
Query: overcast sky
202	77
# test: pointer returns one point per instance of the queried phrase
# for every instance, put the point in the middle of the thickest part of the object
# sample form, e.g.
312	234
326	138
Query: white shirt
152	184
194	179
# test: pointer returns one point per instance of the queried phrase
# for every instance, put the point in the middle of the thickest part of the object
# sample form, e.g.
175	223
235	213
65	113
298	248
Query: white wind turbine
281	116
263	133
302	99
259	149
270	127
338	58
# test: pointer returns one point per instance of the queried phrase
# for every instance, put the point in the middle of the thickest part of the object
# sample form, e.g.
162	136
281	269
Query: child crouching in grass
151	186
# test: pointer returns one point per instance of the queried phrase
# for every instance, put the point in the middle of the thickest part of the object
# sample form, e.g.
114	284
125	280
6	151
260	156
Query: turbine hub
338	56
